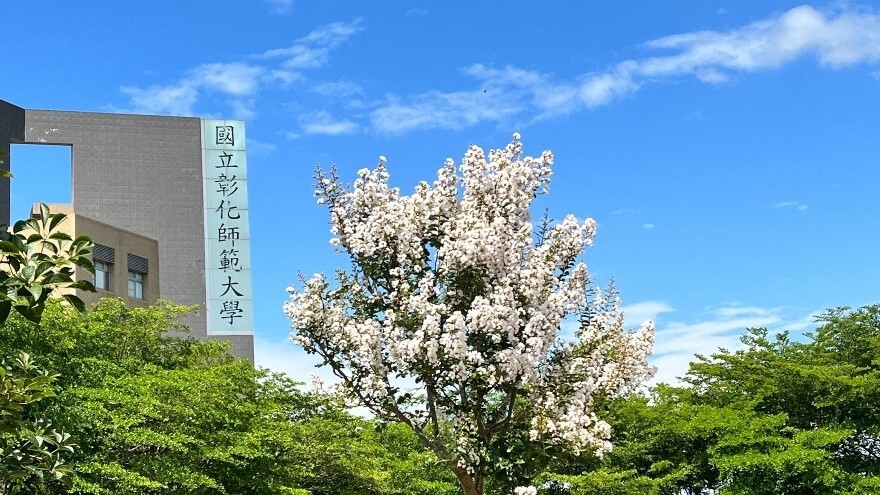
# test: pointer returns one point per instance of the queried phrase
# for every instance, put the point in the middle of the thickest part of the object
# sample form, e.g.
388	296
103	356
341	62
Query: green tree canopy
778	416
157	414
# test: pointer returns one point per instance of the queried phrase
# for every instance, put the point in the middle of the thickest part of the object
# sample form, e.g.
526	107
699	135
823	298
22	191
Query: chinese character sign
227	233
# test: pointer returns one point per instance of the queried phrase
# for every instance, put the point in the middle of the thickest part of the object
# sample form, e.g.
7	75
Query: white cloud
637	313
836	39
283	356
241	79
677	342
313	50
280	6
648	226
792	204
285	77
509	76
736	311
600	89
233	79
338	89
237	79
621	211
243	109
439	110
323	123
173	99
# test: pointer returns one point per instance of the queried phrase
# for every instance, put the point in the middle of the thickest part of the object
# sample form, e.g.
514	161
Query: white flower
452	291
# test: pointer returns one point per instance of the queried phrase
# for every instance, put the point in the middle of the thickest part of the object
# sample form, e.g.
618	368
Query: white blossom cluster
451	292
604	360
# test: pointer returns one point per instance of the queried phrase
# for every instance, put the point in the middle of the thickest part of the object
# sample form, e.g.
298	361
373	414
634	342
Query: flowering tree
450	319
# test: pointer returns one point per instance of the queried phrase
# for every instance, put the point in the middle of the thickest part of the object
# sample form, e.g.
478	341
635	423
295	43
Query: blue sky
728	150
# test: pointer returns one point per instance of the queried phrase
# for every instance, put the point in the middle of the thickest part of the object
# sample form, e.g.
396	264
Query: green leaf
76	302
62	236
44	213
85	264
8	247
5	308
83	285
56	219
36	290
28	312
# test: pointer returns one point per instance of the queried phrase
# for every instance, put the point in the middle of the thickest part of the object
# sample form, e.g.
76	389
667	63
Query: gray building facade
139	173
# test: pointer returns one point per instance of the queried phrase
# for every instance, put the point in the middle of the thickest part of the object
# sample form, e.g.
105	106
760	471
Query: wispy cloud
231	79
285	77
512	95
622	211
637	313
240	79
235	78
174	100
243	109
313	50
439	110
501	95
837	41
792	204
835	38
323	123
648	226
338	89
677	342
280	6
282	356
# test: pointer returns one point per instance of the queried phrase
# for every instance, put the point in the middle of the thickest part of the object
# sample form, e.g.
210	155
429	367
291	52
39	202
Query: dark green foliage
775	417
154	414
31	449
37	260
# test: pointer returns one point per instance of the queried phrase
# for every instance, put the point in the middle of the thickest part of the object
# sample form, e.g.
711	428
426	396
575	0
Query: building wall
123	242
142	174
11	131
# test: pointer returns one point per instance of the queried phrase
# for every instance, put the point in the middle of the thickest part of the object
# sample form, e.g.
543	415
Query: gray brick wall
142	174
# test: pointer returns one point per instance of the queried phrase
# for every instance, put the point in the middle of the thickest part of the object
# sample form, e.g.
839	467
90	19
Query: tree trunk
468	482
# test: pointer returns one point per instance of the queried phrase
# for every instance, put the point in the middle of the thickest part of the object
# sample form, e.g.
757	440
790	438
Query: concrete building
164	199
122	259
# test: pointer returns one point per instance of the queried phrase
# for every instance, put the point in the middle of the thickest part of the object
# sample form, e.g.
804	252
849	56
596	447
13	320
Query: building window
137	272
102	275
103	258
135	285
